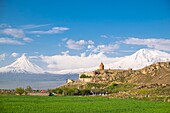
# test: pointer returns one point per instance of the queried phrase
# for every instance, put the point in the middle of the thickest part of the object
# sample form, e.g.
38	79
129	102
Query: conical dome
101	66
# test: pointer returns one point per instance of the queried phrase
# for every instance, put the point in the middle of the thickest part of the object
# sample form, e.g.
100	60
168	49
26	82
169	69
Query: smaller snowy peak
22	65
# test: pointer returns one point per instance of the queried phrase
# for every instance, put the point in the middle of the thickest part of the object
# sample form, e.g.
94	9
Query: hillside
158	73
151	82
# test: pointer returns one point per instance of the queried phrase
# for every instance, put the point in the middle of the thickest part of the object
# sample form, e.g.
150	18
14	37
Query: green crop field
38	104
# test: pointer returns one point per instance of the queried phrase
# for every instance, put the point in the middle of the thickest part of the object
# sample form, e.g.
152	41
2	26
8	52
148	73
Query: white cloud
160	44
64	39
14	54
10	41
4	26
26	39
103	36
31	26
2	56
83	54
17	33
90	46
54	30
65	53
78	45
67	62
106	48
90	42
36	52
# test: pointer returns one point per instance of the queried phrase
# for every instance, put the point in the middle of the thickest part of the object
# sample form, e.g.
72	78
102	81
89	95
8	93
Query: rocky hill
158	73
151	82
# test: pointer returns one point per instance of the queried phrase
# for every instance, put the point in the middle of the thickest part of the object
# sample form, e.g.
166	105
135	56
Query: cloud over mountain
160	44
76	64
62	64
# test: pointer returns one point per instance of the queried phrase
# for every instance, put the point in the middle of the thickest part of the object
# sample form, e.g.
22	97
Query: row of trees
74	91
71	91
21	90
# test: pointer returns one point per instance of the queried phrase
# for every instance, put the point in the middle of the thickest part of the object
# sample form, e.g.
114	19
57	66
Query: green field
38	104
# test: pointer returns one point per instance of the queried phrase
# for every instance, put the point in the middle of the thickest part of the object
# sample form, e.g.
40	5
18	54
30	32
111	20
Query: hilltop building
101	67
89	76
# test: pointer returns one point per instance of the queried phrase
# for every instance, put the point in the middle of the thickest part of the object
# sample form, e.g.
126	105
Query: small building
69	81
101	67
43	91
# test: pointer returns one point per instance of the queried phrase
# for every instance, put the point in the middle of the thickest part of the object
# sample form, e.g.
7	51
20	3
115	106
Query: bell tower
101	67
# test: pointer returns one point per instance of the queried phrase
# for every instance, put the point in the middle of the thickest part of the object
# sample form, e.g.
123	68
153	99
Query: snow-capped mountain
140	59
22	65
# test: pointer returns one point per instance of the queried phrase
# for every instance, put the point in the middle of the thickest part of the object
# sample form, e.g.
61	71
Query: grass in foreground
37	104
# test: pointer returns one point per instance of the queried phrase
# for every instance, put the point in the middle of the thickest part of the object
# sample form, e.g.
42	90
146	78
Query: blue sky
80	28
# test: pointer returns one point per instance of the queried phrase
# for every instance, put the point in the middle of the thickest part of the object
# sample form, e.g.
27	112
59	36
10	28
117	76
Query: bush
28	89
84	76
19	91
96	85
58	91
112	86
85	92
71	91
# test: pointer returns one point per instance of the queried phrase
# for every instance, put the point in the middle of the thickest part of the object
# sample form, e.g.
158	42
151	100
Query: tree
19	91
76	91
85	92
84	76
58	91
28	89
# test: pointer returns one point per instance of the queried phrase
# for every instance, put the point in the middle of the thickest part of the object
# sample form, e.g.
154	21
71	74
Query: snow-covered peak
23	56
141	58
151	55
74	64
22	65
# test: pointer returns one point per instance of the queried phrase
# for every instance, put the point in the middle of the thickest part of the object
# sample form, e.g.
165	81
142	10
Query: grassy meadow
75	104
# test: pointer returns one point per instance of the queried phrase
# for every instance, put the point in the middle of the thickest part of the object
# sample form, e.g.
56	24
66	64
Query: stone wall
88	74
85	79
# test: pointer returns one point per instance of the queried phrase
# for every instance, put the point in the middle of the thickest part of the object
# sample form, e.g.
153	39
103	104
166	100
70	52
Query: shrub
85	92
112	86
96	85
28	89
71	91
84	76
58	91
19	91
